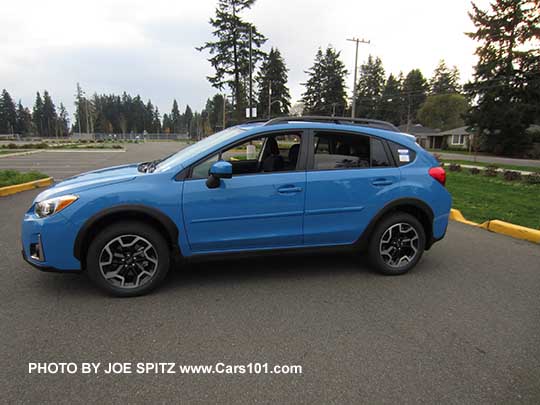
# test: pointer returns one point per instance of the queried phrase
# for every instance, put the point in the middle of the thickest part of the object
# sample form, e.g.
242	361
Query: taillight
438	174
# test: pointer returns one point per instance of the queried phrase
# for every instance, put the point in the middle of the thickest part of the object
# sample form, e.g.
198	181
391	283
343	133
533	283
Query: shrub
117	146
491	171
533	178
474	170
12	146
454	167
511	175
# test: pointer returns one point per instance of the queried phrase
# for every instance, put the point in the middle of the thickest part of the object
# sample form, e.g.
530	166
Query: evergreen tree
325	89
167	124
37	115
8	114
175	124
80	102
506	82
370	87
156	121
49	115
391	104
230	52
414	92
24	120
187	118
63	120
444	80
272	86
214	112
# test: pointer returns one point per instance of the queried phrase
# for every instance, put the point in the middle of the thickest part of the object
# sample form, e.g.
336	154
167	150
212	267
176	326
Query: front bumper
55	237
47	269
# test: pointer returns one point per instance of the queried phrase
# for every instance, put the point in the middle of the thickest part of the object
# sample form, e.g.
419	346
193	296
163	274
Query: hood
93	179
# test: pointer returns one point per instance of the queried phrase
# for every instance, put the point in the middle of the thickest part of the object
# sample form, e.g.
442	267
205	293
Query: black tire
154	260
386	263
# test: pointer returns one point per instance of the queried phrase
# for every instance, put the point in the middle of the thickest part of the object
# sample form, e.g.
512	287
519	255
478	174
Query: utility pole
357	41
224	108
269	99
250	72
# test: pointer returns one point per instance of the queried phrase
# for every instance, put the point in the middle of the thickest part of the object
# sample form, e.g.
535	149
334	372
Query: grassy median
499	165
481	198
12	177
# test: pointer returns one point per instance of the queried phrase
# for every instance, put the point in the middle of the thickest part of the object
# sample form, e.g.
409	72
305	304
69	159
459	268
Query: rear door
348	177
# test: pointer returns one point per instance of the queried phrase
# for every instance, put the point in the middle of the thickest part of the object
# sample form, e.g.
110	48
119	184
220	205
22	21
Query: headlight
51	206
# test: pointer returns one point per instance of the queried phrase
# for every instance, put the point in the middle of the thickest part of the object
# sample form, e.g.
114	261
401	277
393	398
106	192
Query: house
431	138
457	137
426	137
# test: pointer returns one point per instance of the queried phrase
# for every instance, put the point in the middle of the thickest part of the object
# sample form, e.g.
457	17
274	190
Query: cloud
148	48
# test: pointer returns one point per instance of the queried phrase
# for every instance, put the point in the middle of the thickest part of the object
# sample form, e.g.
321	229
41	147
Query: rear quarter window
402	155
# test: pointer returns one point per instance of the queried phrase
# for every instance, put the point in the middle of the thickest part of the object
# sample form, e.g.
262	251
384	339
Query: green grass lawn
7	152
501	166
12	177
481	198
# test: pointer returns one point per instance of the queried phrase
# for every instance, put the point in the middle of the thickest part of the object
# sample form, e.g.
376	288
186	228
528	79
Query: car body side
158	198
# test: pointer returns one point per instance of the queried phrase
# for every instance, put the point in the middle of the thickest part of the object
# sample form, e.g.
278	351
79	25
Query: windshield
192	150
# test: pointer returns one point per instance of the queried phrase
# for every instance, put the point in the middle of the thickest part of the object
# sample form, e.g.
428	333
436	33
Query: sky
148	47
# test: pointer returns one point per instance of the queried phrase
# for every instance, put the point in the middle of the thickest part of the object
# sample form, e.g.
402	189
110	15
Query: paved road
463	327
491	159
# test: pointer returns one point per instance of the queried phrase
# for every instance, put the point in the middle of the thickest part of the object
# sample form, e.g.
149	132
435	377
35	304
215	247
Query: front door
260	207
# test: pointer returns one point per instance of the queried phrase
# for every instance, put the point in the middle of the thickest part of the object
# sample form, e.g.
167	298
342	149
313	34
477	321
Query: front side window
341	151
265	154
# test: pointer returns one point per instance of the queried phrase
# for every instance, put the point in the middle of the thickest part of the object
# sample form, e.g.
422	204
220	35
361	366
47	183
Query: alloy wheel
128	261
399	245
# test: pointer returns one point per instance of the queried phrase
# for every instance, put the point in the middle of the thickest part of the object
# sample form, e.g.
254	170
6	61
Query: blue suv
305	182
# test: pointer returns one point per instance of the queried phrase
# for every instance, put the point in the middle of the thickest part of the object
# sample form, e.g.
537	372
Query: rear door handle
382	182
289	189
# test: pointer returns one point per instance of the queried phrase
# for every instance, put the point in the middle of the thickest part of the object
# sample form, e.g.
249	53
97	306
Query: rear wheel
128	258
397	244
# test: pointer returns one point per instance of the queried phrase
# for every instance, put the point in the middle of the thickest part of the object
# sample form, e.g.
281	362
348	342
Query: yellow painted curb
17	188
515	231
497	226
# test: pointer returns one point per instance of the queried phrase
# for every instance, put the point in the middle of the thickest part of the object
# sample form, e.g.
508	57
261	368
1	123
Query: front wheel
397	244
128	259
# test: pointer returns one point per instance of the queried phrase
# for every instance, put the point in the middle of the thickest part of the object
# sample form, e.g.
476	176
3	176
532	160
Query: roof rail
368	122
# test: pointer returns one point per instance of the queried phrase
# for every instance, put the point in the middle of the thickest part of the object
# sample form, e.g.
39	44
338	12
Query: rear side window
341	151
379	158
402	155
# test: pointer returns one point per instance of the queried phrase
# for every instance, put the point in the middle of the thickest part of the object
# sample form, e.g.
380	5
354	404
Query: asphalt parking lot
462	327
63	164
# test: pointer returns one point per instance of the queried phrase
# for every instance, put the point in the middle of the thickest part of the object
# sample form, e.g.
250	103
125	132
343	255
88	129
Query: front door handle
289	189
382	182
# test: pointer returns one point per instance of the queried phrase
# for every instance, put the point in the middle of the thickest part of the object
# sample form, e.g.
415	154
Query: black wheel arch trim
363	240
159	216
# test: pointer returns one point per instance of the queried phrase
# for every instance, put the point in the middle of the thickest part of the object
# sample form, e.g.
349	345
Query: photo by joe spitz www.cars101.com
287	183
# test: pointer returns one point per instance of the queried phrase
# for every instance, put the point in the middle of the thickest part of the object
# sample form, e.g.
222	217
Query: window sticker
403	157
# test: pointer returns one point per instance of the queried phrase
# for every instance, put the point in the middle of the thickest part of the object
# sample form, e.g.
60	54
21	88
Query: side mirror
219	170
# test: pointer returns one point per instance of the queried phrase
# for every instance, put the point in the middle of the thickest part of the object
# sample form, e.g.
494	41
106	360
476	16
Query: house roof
456	131
418	129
